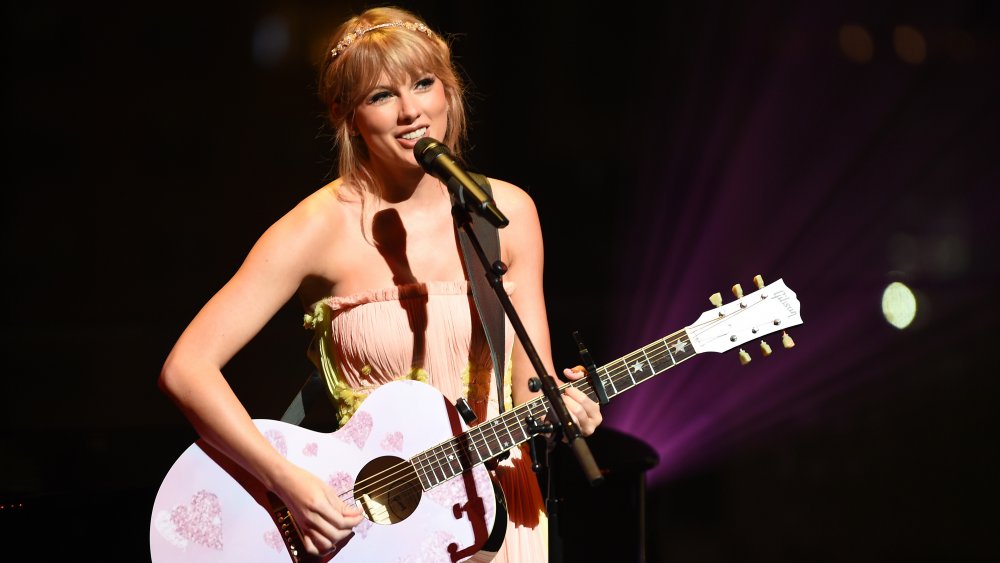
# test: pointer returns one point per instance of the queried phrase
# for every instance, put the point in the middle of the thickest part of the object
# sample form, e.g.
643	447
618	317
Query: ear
349	124
336	110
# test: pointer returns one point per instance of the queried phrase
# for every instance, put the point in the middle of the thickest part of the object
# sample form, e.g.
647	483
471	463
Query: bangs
400	55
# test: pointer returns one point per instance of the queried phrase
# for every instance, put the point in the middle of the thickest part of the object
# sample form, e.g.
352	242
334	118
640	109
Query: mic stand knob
535	428
535	385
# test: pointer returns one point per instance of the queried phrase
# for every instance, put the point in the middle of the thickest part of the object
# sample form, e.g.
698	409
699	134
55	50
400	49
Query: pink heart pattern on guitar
410	462
209	509
196	522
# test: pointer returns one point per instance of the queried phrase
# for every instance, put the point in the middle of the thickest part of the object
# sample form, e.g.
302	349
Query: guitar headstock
770	309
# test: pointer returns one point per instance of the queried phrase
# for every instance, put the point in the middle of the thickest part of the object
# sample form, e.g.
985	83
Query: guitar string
613	374
431	461
433	458
400	474
410	479
380	511
654	353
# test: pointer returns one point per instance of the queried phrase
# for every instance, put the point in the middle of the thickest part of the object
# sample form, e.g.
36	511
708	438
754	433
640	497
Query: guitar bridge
286	527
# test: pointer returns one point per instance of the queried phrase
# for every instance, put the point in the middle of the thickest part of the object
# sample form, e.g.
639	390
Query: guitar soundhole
387	490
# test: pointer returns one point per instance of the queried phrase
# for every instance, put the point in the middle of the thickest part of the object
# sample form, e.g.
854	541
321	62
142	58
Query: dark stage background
673	150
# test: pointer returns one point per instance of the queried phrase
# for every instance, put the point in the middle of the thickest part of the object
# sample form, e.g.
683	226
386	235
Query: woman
373	256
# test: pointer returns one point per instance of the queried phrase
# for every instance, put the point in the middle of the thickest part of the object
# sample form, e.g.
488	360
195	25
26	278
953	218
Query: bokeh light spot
856	43
909	44
899	305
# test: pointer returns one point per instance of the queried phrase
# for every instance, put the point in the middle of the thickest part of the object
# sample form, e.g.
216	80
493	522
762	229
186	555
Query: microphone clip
437	160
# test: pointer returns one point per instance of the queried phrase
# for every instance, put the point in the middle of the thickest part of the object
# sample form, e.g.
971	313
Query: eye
379	97
425	83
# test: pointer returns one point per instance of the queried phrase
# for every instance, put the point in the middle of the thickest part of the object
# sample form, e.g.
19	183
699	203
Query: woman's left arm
522	251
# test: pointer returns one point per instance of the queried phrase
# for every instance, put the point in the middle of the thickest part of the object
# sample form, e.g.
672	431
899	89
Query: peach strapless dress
428	332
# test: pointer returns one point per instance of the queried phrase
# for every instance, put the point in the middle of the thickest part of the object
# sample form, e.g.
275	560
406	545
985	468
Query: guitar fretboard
491	438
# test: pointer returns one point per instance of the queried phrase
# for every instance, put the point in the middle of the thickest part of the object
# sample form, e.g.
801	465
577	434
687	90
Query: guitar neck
632	369
769	309
493	437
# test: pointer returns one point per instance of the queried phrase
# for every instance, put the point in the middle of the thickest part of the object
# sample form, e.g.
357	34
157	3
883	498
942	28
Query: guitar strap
301	411
490	312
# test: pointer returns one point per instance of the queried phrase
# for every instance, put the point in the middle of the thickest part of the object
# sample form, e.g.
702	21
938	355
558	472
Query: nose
409	108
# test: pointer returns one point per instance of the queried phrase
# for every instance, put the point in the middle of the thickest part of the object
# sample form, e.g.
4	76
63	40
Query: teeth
415	134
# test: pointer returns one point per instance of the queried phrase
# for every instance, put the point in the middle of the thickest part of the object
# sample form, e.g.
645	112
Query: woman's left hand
584	410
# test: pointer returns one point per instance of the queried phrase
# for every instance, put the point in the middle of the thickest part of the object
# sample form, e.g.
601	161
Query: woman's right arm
192	376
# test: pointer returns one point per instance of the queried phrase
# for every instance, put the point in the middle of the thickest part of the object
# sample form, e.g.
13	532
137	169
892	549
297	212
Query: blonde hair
399	51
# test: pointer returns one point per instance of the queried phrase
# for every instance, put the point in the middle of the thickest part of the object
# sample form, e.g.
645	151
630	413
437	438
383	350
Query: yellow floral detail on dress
346	399
478	381
508	389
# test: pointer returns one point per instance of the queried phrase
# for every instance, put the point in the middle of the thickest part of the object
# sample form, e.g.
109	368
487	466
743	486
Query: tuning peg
786	340
758	281
738	291
765	348
744	357
716	299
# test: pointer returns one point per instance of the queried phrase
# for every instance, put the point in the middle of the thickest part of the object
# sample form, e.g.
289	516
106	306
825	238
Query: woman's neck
405	188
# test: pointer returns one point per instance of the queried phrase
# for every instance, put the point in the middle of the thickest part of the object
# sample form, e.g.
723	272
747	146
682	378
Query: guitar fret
663	342
439	469
542	410
661	362
649	365
682	348
432	465
624	364
481	443
619	368
636	367
431	469
509	443
492	425
521	433
585	388
442	461
454	463
611	381
416	469
467	447
421	464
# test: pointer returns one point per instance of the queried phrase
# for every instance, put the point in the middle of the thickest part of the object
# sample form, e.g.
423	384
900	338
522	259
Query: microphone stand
570	430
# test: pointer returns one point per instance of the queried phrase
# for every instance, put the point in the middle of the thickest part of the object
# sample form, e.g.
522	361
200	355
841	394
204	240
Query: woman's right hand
323	519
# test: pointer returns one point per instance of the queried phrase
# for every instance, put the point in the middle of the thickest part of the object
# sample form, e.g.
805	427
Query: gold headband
357	33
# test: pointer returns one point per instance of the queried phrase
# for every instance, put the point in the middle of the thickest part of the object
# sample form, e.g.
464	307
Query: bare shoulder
521	240
305	228
314	216
513	201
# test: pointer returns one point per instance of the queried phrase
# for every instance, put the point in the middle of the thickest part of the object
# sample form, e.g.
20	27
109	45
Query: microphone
437	160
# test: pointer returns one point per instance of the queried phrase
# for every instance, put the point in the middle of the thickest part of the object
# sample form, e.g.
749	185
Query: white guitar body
208	510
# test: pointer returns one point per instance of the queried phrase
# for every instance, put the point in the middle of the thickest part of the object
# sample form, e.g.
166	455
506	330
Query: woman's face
393	117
